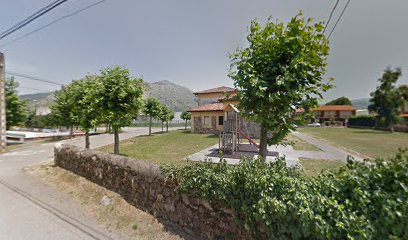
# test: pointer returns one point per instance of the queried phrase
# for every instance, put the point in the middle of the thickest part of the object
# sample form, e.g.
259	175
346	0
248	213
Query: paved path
328	152
33	210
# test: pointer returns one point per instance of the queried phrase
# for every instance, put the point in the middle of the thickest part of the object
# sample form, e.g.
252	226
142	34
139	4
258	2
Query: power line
53	22
35	89
32	78
31	18
25	20
341	15
331	15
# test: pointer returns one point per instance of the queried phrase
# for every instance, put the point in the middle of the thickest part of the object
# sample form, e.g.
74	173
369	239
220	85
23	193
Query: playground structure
230	140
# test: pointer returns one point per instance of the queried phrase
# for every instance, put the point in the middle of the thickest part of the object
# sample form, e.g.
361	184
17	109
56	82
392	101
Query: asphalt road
30	209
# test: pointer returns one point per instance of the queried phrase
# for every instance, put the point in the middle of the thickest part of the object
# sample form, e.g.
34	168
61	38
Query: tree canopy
84	94
119	98
112	97
63	107
153	108
340	101
16	110
386	101
186	116
281	70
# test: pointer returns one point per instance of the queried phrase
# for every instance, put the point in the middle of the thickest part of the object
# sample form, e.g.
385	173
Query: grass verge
371	143
313	167
164	148
299	144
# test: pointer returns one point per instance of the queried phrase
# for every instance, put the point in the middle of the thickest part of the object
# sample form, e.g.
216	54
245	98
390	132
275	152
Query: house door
214	122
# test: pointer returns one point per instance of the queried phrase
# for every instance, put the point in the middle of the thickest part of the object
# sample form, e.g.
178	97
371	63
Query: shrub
363	121
359	201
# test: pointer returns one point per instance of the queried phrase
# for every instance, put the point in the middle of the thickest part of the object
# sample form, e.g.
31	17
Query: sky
188	41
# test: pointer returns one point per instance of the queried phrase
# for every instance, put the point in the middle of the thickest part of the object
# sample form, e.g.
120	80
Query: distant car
316	124
295	126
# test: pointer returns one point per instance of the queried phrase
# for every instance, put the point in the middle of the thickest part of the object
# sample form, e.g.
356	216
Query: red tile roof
222	89
404	114
335	108
211	107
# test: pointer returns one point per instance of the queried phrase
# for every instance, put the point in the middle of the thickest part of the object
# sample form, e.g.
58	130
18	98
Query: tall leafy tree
386	100
340	101
162	116
186	116
86	110
119	98
281	70
64	106
153	108
16	109
169	117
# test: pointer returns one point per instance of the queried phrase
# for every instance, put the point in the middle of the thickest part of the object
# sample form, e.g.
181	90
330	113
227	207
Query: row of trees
112	97
157	110
154	109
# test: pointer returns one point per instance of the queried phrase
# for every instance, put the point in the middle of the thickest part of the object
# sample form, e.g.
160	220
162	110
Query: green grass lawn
313	167
299	144
164	148
370	143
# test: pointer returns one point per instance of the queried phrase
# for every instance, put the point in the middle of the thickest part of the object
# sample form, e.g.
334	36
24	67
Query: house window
207	121
221	120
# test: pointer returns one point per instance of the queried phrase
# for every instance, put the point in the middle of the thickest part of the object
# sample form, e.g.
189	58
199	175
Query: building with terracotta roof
208	116
328	114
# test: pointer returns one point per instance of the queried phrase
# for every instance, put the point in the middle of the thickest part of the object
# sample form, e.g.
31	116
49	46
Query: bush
363	121
359	201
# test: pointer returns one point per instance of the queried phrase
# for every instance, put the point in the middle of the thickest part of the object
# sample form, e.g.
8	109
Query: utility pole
3	143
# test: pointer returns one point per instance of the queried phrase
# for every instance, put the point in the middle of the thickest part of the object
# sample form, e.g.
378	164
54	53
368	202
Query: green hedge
359	201
363	121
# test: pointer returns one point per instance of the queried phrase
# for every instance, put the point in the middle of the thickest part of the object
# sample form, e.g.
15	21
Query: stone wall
144	186
199	128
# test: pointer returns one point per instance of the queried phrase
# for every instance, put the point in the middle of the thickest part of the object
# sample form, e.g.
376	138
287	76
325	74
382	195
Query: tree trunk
106	128
71	131
391	127
185	126
162	126
116	142
167	126
263	145
87	143
109	128
150	125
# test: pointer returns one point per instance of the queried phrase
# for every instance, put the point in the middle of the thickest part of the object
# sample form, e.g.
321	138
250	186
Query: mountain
177	97
38	99
361	103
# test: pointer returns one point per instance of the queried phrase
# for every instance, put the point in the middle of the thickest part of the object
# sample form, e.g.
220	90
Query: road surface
33	210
